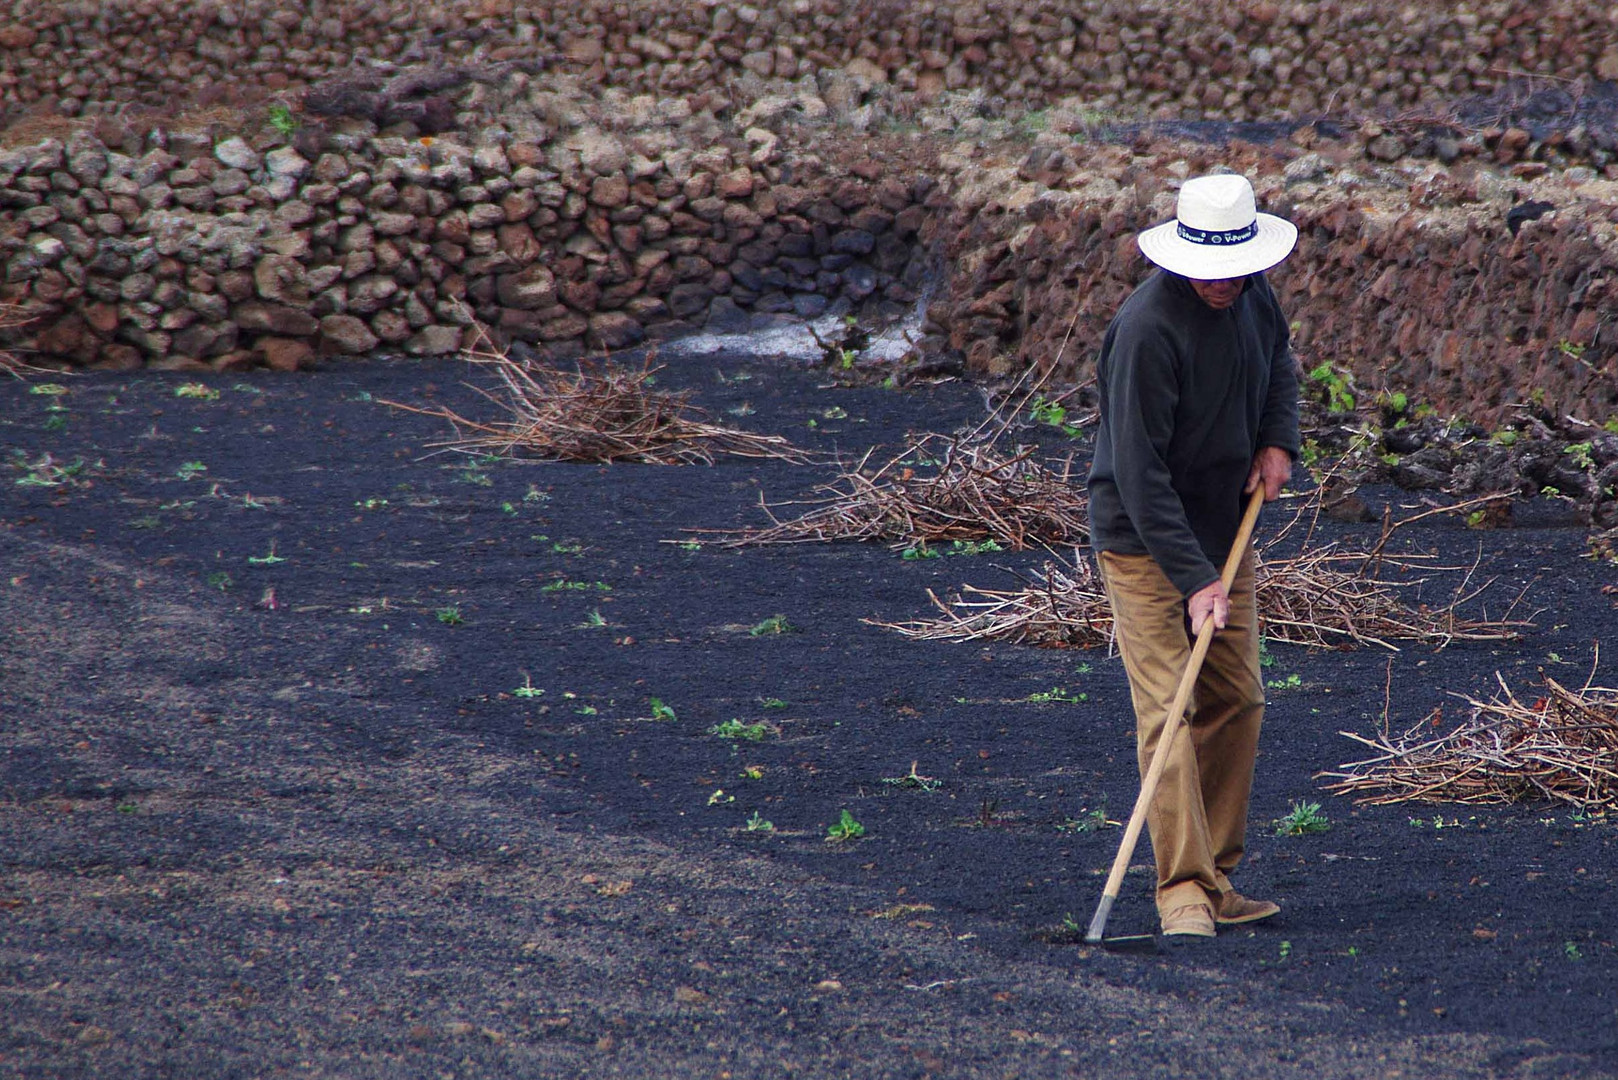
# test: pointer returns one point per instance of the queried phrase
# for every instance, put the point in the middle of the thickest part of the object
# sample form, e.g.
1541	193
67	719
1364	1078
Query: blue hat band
1214	237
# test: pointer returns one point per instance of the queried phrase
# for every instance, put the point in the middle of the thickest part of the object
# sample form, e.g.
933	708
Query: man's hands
1208	602
1272	467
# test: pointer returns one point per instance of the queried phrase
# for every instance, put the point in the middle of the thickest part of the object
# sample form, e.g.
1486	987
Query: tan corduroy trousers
1198	819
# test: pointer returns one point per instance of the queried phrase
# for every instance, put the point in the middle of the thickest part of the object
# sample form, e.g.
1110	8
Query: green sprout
1332	388
564	585
771	703
1056	695
920	551
741	730
190	470
449	616
913	780
756	823
662	711
845	829
775	624
220	580
1302	819
1054	413
719	798
281	119
266	560
1571	950
595	620
528	689
196	390
1291	682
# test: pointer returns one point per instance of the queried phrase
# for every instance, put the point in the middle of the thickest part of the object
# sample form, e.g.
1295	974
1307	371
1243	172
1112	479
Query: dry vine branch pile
596	415
1062	607
939	490
1329	597
1562	746
1323	597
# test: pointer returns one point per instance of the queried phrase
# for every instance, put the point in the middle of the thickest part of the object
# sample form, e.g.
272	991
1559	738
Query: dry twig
594	415
1562	746
11	316
938	490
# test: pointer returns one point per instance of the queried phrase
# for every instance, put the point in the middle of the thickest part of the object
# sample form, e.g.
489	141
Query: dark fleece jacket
1188	396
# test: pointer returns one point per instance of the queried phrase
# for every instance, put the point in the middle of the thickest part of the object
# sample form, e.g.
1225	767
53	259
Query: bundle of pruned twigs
1561	746
940	489
594	414
1328	596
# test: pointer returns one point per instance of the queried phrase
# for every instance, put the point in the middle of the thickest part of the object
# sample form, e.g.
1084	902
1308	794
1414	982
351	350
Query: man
1199	407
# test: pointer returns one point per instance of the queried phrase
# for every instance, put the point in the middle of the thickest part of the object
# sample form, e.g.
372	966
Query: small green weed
845	829
190	470
920	551
719	798
1089	820
220	580
775	624
741	730
48	389
1291	682
266	560
595	620
1056	695
1571	950
1286	950
756	823
914	780
662	711
564	585
47	472
281	119
472	476
752	772
1332	388
528	689
1053	413
449	615
372	504
1302	819
196	390
771	703
1582	456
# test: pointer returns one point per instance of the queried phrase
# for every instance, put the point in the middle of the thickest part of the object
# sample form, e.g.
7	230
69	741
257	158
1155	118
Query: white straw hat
1217	232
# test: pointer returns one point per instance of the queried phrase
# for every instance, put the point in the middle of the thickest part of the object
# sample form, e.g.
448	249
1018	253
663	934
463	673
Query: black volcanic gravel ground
420	817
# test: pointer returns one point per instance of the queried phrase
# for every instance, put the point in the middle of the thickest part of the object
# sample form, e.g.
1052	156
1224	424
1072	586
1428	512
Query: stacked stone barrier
341	178
1212	59
223	252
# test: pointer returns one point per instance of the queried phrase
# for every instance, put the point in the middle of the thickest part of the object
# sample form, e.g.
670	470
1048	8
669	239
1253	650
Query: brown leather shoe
1190	920
1234	908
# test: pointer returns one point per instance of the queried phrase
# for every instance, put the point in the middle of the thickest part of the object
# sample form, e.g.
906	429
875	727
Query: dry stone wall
225	251
219	183
1222	59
